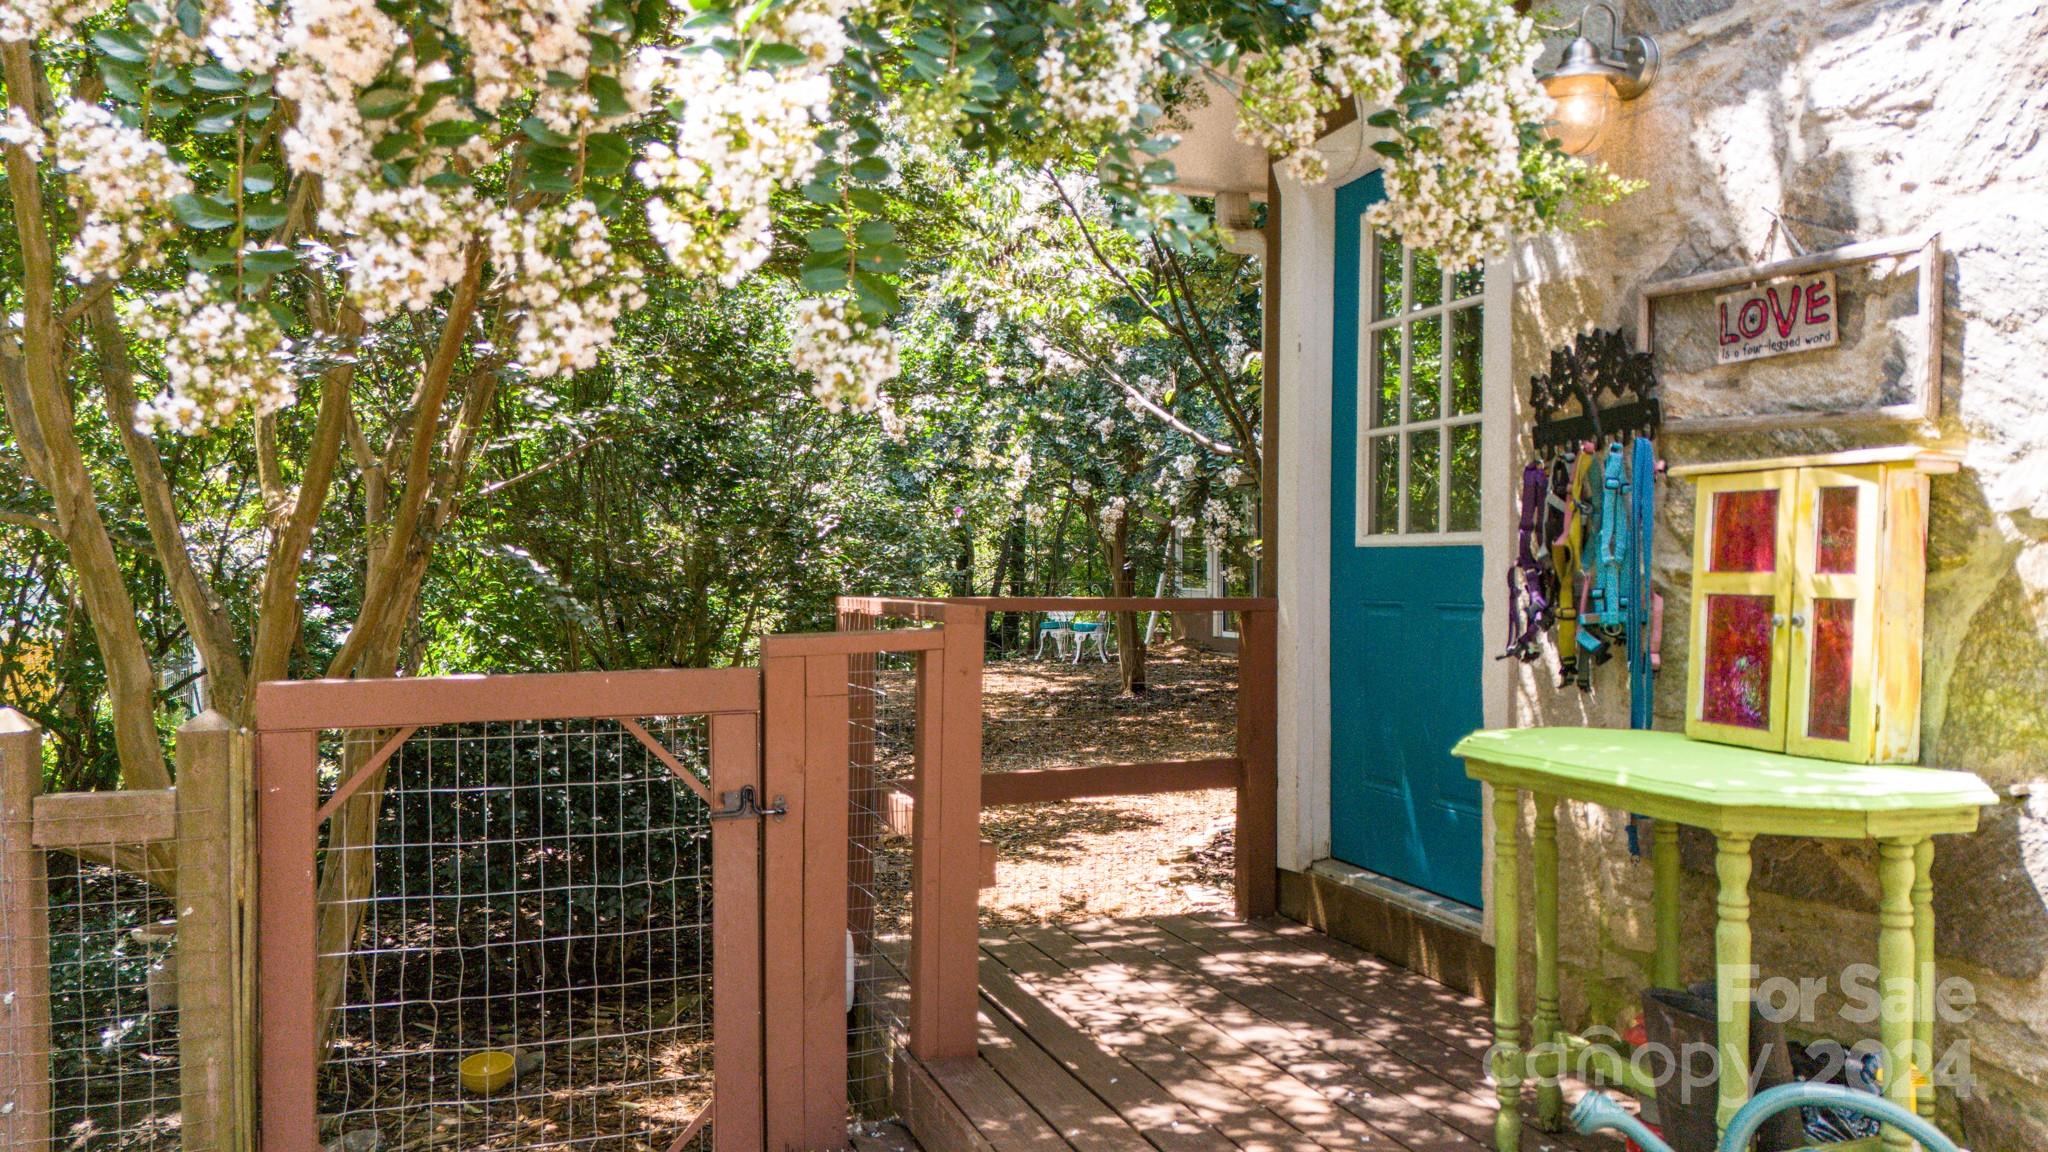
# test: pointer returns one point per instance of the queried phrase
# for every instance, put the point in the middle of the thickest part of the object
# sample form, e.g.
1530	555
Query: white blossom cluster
1098	77
743	134
244	35
337	47
1457	190
33	19
408	243
514	44
17	129
569	283
220	357
1113	511
1462	197
848	359
121	182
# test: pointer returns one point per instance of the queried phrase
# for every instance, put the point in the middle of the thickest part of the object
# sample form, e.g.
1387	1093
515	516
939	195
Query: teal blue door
1406	559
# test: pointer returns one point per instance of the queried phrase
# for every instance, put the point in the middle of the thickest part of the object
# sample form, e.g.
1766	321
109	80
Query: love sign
1776	318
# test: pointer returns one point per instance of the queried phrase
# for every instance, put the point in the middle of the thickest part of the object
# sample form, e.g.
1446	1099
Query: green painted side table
1737	794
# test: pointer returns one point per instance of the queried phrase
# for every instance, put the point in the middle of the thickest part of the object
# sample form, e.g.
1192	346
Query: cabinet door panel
1834	601
1742	555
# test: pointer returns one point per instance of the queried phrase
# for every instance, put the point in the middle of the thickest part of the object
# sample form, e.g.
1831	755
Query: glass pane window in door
1468	342
1425	368
1425	472
1383	515
1385	381
1425	281
1462	493
1835	549
1736	684
1468	282
1832	669
1386	279
1745	531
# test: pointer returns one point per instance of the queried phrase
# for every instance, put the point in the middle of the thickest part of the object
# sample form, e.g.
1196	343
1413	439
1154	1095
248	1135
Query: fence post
211	1112
946	864
1258	805
25	938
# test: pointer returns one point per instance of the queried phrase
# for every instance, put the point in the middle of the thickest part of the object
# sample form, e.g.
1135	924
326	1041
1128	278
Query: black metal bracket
744	805
1598	387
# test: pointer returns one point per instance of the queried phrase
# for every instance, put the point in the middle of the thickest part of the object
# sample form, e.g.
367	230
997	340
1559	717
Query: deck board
1201	1034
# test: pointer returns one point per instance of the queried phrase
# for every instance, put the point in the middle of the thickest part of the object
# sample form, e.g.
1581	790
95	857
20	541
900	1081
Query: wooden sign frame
1925	408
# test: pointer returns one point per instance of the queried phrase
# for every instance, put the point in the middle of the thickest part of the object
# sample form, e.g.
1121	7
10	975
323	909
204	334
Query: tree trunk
1130	643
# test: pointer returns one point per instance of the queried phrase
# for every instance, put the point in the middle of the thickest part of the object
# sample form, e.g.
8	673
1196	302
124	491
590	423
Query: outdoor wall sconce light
1590	82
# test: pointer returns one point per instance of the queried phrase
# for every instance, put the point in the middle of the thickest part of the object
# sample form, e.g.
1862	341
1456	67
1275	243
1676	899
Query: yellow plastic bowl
487	1072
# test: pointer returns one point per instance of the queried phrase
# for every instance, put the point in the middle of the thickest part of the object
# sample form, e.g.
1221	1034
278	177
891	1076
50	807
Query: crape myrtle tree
265	256
1149	418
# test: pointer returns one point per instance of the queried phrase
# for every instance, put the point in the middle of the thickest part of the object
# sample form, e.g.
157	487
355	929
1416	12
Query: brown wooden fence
787	751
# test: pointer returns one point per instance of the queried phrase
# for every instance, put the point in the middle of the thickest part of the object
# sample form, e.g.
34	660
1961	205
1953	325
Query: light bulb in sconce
1584	106
1590	83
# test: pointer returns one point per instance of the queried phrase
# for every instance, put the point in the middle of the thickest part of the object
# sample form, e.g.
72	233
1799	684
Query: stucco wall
1855	120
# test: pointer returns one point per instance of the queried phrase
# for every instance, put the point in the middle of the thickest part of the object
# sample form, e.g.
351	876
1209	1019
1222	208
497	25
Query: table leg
1895	961
1507	939
1547	1023
1664	901
1732	973
1923	967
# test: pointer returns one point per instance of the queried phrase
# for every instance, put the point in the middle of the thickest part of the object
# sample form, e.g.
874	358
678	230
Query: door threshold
1428	905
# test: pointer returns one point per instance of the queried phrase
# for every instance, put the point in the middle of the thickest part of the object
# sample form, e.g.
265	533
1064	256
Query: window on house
1419	396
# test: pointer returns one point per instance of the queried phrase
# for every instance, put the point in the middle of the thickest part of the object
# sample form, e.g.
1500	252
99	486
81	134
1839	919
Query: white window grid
1403	429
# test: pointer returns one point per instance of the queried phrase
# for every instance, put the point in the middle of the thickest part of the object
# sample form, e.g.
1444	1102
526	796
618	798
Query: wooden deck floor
1199	1034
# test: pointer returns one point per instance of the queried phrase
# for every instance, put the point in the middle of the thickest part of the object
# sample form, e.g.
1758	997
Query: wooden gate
514	824
404	822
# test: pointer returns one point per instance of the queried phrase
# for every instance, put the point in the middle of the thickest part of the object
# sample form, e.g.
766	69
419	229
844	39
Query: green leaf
270	261
1389	148
143	14
870	169
876	295
210	258
214	78
779	56
191	19
383	103
610	96
449	180
121	82
824	277
259	178
203	213
537	130
217	123
876	232
826	239
886	258
120	46
453	132
263	217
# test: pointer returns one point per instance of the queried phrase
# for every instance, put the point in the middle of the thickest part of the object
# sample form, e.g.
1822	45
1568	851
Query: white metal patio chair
1097	634
1058	628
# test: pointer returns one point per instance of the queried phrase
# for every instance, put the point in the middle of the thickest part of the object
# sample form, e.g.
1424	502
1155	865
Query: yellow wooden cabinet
1808	578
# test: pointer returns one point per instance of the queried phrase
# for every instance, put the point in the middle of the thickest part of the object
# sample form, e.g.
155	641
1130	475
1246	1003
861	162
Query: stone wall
1853	121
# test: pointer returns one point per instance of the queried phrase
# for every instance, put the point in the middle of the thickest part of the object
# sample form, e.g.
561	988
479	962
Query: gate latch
744	805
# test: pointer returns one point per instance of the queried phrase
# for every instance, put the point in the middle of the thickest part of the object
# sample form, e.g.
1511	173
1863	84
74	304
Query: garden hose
1597	1110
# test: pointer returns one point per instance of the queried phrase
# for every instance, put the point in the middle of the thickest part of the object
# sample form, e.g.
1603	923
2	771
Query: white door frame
1308	239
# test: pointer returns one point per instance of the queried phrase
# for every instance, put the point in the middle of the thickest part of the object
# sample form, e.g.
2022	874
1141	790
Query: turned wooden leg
1731	973
1507	938
1664	901
1895	961
1923	968
1547	1023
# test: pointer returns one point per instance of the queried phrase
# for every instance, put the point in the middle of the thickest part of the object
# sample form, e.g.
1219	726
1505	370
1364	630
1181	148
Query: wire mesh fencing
89	1027
515	934
882	710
